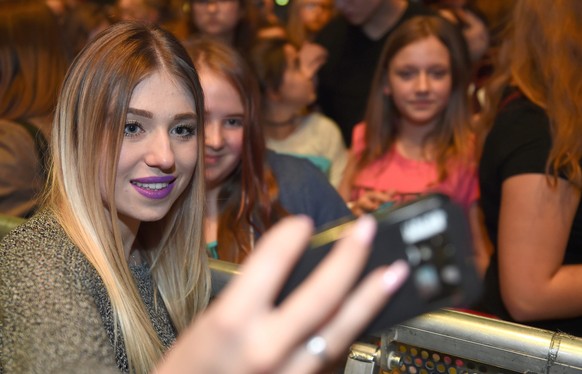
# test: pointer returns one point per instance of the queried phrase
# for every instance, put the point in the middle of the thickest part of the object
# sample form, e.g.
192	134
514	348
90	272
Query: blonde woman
113	268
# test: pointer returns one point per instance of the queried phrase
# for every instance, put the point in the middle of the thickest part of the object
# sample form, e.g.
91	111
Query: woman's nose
213	137
422	82
161	153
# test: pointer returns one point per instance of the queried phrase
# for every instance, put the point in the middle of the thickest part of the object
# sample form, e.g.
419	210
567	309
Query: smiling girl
248	187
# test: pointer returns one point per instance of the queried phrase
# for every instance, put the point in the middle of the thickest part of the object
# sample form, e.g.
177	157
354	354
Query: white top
318	139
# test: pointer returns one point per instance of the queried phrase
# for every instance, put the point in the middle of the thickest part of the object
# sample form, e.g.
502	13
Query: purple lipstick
154	187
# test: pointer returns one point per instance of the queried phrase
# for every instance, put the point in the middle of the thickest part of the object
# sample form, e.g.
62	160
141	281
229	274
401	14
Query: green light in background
282	2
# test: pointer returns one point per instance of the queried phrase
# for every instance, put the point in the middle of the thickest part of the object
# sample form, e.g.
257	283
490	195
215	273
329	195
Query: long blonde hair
452	134
87	137
541	56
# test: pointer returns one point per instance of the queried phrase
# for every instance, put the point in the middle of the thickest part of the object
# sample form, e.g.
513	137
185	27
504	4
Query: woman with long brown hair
418	111
417	137
530	172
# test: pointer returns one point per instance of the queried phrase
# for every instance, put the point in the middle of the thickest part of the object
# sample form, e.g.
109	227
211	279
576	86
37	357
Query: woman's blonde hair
451	136
33	59
541	56
87	138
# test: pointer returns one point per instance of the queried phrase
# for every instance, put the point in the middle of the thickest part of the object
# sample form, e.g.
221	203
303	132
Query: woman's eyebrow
140	112
183	116
148	114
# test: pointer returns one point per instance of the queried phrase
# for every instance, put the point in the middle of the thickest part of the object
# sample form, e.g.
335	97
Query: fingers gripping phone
432	234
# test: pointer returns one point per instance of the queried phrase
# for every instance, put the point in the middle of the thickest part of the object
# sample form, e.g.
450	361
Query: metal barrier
453	342
221	272
363	358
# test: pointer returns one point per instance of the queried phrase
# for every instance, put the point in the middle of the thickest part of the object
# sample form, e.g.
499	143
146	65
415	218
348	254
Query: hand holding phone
432	234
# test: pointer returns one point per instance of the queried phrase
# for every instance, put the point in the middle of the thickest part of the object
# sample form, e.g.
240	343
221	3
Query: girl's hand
311	57
369	201
243	332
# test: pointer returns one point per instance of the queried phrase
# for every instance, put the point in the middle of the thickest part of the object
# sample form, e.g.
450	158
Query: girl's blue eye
132	129
184	131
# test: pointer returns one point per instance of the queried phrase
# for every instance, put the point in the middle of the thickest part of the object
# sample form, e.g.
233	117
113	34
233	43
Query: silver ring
316	346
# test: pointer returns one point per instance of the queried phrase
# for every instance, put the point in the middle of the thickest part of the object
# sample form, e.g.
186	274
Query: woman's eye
405	74
440	73
132	129
184	131
234	122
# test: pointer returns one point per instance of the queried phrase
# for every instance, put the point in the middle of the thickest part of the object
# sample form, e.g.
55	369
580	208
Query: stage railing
453	342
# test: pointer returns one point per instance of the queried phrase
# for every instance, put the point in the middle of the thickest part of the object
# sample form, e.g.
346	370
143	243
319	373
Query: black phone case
433	235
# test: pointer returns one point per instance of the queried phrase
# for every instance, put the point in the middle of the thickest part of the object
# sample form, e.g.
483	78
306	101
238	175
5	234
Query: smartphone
432	234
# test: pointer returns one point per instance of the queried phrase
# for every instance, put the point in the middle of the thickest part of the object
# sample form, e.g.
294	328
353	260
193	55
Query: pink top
410	178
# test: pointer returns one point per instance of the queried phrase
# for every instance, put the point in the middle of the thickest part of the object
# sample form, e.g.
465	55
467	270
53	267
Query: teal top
211	248
320	162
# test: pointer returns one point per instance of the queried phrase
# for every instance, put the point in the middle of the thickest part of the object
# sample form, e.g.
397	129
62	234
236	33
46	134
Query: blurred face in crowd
159	151
315	14
57	6
297	87
224	121
420	81
137	10
216	18
358	12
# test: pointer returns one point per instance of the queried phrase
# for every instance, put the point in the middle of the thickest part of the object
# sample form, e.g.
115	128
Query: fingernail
365	228
395	275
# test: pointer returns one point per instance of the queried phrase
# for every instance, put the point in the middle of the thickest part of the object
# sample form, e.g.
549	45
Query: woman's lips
154	187
211	160
422	103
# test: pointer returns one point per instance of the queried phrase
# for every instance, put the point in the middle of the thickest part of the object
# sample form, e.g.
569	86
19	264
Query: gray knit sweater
55	315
